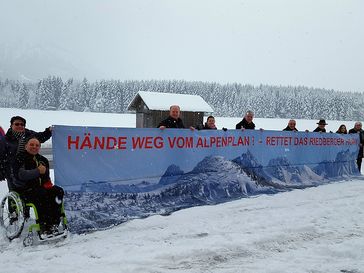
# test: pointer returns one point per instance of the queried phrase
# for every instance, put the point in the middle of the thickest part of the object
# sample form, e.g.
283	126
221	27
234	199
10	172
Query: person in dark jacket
34	185
247	122
358	130
342	129
321	126
291	126
209	124
173	120
13	141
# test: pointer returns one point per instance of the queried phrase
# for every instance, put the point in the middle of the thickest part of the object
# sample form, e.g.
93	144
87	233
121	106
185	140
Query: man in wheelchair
32	182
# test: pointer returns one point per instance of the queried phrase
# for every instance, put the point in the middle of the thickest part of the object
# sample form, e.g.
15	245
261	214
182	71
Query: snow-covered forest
231	99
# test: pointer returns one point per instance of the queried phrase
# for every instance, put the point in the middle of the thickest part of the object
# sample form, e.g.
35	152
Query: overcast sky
316	43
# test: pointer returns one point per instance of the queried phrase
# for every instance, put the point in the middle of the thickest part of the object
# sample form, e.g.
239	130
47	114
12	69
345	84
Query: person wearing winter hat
321	126
14	141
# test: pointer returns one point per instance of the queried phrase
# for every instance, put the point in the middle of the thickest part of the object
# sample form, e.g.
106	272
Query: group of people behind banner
174	121
27	172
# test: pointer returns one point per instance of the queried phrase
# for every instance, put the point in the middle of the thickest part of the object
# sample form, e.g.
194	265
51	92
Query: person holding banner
173	120
13	141
342	129
209	124
358	130
321	126
291	126
33	183
247	122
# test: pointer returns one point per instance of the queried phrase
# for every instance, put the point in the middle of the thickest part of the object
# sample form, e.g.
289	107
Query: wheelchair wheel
12	215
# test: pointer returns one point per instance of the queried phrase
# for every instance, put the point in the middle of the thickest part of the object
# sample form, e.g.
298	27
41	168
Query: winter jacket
318	129
171	123
204	127
26	173
244	124
9	147
361	139
289	129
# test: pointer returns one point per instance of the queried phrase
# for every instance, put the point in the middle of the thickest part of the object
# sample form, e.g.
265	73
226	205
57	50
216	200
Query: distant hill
27	62
227	100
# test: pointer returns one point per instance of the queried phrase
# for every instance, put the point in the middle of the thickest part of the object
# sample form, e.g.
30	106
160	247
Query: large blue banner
114	174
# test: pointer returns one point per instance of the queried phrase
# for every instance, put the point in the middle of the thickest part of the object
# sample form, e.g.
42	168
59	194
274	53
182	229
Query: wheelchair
15	213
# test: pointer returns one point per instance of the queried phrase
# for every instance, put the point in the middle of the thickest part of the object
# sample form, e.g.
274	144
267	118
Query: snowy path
313	230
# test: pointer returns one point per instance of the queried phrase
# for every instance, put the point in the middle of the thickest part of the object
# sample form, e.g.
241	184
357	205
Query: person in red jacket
2	132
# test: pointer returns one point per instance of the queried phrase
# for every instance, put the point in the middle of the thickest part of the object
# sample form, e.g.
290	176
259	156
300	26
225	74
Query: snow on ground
316	230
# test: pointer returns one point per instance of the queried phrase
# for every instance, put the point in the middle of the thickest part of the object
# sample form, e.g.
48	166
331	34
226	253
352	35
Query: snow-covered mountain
31	62
213	180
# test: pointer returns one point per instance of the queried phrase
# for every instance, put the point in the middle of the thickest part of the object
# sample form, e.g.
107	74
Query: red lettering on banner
180	142
243	142
206	143
111	143
99	142
95	143
212	141
200	144
185	142
147	142
240	141
351	141
326	141
138	142
219	142
300	141
86	142
73	142
231	141
158	142
122	143
278	141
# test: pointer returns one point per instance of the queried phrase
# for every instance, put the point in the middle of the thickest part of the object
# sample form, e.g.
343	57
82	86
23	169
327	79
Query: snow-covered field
313	230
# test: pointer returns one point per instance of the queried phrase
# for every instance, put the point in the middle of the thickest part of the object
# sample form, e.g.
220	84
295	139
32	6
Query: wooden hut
152	107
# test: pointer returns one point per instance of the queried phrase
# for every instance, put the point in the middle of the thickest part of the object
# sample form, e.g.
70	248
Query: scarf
19	136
